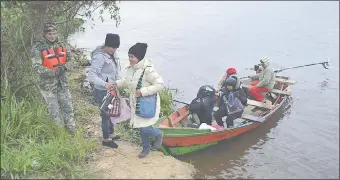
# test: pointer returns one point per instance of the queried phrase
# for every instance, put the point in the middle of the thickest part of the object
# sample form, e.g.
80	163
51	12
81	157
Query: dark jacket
239	93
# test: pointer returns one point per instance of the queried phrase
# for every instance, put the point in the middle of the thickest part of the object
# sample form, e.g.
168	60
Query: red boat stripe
203	139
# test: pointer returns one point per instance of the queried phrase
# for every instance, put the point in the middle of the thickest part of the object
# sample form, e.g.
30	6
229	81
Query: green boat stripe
181	150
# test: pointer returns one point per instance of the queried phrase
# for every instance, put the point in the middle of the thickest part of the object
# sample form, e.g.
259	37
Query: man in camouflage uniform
53	84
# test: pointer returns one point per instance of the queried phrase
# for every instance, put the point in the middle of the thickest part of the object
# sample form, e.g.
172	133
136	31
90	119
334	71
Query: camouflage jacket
48	79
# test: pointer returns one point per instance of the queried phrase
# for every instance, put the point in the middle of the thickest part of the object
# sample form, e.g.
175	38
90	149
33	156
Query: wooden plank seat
260	104
277	91
286	81
253	118
248	109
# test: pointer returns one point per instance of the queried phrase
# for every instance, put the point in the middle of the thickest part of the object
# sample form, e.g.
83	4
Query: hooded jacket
104	68
266	77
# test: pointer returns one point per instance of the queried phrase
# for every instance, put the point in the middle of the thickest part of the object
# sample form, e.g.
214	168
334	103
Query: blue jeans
107	125
145	133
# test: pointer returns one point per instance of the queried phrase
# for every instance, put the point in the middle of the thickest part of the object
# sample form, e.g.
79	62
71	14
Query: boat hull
180	141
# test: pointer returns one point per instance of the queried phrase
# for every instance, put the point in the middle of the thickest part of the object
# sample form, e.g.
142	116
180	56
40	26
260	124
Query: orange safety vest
51	58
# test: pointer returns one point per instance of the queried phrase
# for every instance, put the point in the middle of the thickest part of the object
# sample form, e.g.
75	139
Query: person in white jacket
152	83
266	80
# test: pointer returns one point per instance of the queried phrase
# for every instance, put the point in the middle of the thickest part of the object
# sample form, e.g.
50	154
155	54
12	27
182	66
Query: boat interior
254	112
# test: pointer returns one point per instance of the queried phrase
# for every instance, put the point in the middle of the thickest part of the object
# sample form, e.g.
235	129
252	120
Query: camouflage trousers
59	105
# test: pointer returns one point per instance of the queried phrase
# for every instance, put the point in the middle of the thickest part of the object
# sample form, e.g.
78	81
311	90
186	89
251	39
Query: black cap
112	40
138	50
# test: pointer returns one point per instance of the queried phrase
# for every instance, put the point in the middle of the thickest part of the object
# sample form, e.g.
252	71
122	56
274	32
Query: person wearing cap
50	60
266	80
229	72
233	102
103	72
151	83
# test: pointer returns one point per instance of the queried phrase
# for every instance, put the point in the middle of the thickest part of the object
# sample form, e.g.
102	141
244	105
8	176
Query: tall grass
32	145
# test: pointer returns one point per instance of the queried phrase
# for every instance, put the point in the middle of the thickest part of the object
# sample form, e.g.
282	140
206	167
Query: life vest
51	58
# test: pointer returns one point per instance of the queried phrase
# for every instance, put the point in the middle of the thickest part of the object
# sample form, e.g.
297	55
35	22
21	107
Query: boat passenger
203	105
258	68
265	83
229	72
232	104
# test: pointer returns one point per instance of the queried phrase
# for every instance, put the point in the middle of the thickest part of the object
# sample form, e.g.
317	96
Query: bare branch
71	17
92	10
68	8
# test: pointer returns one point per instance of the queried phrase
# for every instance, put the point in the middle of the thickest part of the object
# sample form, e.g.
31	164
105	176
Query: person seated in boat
265	83
258	68
232	104
229	72
202	106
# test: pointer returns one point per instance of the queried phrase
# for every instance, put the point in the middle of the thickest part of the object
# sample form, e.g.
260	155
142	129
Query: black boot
109	143
144	153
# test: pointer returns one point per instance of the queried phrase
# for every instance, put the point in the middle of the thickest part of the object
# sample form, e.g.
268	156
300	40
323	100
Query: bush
31	144
22	25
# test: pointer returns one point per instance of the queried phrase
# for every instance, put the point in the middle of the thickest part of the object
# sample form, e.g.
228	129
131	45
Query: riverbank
122	162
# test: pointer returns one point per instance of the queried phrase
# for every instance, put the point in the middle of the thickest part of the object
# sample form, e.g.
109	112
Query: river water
193	43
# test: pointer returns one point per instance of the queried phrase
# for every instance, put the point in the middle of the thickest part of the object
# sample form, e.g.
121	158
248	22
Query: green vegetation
32	146
166	102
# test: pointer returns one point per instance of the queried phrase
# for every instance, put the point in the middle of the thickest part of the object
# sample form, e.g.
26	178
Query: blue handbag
145	105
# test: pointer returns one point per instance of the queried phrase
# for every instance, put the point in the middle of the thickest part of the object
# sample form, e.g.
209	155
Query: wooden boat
179	139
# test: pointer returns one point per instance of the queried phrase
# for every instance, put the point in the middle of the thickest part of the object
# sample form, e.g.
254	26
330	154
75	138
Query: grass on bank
33	146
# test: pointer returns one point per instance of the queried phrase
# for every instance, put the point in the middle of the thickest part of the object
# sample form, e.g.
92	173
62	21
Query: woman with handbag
143	83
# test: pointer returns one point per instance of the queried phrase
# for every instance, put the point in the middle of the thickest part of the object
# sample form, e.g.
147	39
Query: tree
22	24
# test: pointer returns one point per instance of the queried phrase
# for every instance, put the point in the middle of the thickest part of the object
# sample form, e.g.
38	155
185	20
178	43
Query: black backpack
205	91
203	103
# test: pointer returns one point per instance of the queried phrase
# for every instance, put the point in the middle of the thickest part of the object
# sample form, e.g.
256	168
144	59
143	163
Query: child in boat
233	100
